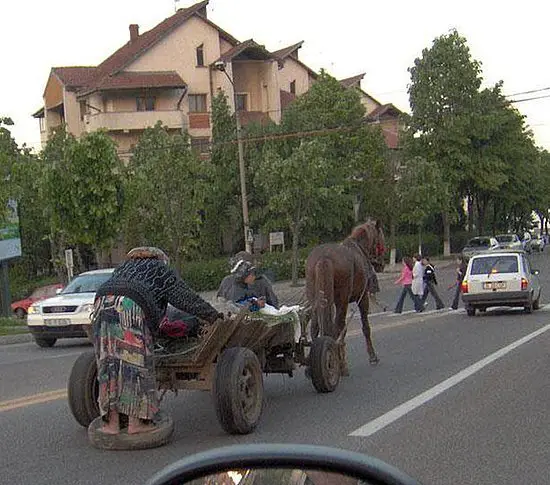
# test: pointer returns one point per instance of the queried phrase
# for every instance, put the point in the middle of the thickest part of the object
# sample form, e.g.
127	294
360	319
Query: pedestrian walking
430	282
405	280
461	266
418	282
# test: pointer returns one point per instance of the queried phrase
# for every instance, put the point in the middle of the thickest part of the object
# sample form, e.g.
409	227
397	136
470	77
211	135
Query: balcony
133	120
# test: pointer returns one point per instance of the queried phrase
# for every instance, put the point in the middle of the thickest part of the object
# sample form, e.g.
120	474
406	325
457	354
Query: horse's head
370	237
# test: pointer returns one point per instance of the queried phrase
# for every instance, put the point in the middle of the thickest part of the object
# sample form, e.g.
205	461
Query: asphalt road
453	400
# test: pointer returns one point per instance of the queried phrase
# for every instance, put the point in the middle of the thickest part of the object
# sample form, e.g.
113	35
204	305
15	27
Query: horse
341	273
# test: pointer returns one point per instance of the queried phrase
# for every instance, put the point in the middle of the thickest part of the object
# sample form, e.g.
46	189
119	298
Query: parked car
21	307
66	315
479	244
509	241
500	278
537	243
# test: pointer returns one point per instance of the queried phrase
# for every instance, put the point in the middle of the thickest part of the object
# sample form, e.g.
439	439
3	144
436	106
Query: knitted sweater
158	285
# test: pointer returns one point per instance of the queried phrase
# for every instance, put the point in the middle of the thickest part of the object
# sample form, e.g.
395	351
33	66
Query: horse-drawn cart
229	359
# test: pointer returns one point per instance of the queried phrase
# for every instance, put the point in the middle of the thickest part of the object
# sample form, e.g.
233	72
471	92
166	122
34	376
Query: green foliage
166	189
223	214
9	153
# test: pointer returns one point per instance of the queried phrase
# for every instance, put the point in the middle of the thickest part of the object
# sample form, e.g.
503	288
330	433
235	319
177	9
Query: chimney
134	32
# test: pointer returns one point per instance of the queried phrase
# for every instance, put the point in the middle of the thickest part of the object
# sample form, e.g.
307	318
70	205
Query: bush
207	275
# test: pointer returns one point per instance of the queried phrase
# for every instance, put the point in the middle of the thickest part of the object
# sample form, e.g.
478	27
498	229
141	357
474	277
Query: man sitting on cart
244	286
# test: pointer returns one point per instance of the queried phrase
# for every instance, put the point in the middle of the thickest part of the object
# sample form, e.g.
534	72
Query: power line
529	99
527	92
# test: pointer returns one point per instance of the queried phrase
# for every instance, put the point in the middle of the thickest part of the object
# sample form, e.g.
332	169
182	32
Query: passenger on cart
244	287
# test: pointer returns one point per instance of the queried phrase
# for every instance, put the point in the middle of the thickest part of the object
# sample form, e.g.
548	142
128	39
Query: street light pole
242	171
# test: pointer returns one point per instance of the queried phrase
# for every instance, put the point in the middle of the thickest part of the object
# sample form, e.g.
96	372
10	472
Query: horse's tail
323	298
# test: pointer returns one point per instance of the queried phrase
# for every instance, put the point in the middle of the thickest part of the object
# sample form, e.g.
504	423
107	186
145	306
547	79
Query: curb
16	339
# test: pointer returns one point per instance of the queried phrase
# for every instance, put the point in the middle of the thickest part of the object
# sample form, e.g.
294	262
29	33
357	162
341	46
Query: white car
500	278
66	315
509	241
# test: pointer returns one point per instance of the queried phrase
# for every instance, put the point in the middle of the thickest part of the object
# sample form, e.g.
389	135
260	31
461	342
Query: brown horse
338	274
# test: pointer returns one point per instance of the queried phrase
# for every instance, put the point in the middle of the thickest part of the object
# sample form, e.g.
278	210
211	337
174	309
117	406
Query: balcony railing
133	120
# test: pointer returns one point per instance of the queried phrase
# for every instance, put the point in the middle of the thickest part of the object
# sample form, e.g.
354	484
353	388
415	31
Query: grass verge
12	326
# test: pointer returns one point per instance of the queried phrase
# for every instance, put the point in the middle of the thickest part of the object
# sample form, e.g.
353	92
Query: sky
381	39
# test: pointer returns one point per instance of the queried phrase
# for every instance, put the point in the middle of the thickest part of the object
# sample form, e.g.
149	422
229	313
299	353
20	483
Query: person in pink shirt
405	279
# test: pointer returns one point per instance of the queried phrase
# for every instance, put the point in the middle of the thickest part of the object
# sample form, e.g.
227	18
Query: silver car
500	278
479	244
509	241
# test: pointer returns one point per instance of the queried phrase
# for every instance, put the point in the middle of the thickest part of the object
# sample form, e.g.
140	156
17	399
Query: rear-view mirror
278	464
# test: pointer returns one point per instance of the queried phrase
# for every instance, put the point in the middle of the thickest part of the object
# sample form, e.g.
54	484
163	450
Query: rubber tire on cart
83	389
470	311
45	341
164	428
324	364
238	390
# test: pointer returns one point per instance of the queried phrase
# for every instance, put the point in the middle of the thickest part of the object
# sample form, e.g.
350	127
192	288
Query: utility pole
220	66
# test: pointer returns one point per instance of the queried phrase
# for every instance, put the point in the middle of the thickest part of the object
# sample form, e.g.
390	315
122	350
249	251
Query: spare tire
83	389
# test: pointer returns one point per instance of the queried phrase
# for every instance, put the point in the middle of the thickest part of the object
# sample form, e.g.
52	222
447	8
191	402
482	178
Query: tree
444	87
422	192
83	183
166	189
223	216
9	153
307	174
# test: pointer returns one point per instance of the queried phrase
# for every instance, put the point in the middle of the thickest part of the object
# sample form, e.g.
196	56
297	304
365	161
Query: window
494	264
200	55
145	103
293	87
200	145
197	103
42	122
242	102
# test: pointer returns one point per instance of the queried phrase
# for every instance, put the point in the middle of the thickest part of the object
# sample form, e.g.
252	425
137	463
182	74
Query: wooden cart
228	359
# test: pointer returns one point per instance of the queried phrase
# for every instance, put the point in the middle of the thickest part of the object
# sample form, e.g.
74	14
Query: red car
21	307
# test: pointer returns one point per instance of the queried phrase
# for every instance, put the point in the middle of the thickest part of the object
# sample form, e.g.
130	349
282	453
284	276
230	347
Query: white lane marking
386	419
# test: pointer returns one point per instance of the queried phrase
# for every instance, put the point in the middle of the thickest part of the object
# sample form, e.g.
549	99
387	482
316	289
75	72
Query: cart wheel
83	389
324	364
164	427
238	390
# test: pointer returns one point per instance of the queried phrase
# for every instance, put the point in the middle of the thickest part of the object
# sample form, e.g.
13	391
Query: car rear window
495	264
505	238
478	242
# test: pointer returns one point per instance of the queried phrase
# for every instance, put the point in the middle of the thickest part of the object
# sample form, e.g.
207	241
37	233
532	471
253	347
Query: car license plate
57	322
494	285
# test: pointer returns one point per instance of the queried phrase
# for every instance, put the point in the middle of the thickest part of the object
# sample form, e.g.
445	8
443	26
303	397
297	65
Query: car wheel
45	341
530	306
471	311
536	303
482	310
20	313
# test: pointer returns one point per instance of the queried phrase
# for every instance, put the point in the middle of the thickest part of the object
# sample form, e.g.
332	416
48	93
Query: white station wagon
66	315
500	278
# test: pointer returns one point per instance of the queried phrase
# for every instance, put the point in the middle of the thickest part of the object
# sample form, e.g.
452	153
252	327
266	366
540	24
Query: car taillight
464	286
524	283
